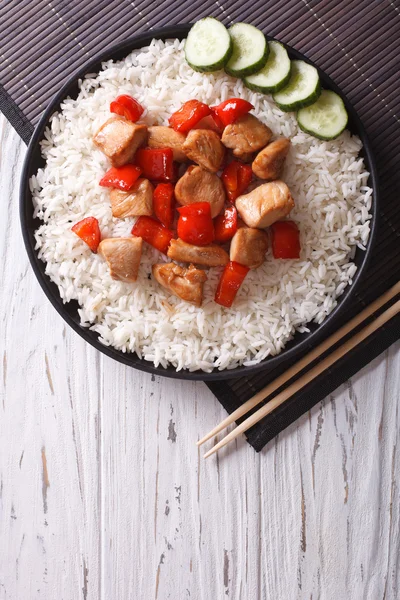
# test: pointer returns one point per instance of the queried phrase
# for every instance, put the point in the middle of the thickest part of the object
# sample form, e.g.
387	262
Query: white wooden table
104	495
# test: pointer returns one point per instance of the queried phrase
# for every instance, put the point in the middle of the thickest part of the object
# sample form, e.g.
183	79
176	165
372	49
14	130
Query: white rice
328	182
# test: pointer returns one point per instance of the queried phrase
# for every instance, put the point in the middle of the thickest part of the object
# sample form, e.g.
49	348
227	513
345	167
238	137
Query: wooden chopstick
310	375
304	362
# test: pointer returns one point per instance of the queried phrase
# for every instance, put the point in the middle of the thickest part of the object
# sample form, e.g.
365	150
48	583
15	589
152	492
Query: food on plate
127	107
208	45
229	111
225	225
236	178
122	178
153	232
208	256
326	119
250	50
269	162
302	89
164	204
195	224
265	204
285	240
205	148
246	135
122	256
187	284
249	246
157	164
119	139
226	297
275	74
161	136
138	201
231	279
189	115
266	67
199	185
89	231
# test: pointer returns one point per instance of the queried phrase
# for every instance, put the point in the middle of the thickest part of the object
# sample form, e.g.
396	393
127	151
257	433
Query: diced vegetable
230	110
195	225
303	88
89	231
164	203
122	178
230	282
326	118
188	115
236	177
208	45
225	225
127	107
275	74
153	232
285	239
250	50
157	164
218	123
210	122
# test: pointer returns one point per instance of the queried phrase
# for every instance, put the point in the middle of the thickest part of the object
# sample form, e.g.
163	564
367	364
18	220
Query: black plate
301	343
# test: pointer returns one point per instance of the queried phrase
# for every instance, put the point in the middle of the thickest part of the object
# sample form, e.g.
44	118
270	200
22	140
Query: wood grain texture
104	495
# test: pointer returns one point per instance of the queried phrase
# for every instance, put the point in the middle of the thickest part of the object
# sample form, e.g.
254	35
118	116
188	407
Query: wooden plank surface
104	495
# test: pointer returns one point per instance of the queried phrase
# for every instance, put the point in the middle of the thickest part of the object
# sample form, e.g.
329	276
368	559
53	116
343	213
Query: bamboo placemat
356	42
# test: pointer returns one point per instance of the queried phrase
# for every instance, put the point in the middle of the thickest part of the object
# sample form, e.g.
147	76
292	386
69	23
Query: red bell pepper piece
232	109
236	177
195	225
127	107
285	239
225	225
152	232
218	123
89	231
188	115
157	164
231	279
164	203
122	178
209	123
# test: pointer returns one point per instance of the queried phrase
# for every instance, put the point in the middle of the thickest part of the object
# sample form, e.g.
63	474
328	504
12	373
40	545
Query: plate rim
129	358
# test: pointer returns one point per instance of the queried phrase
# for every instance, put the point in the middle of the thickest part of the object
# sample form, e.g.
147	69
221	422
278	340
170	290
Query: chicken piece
161	136
187	284
205	148
246	134
119	139
268	164
138	201
248	247
265	204
210	256
122	256
198	185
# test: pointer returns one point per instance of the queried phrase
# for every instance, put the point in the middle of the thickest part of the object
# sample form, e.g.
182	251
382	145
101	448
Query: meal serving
197	219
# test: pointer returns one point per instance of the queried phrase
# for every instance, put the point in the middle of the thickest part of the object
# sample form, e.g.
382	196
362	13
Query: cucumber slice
275	74
208	45
302	89
250	50
326	118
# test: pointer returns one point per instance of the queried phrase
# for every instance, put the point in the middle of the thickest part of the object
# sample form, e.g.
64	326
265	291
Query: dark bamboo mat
356	42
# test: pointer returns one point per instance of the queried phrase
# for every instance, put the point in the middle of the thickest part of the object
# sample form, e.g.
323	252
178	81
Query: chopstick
304	362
